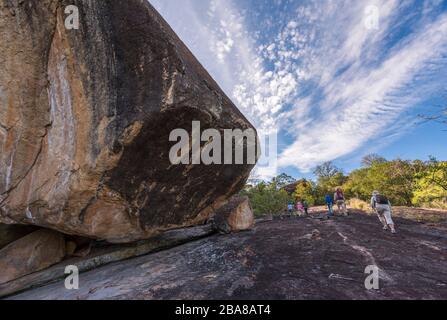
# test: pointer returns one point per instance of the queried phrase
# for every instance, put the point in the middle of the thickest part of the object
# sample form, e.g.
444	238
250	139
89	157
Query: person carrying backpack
306	207
300	208
340	201
290	208
382	206
330	204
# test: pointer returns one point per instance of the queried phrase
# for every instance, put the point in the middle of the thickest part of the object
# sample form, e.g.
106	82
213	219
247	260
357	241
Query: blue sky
333	88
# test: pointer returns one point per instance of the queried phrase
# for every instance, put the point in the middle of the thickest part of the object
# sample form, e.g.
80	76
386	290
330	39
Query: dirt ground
293	258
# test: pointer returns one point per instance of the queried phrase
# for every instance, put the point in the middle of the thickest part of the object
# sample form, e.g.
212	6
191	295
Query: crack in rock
366	253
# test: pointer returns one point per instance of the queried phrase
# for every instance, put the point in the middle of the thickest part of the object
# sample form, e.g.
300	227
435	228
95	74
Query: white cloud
316	71
365	101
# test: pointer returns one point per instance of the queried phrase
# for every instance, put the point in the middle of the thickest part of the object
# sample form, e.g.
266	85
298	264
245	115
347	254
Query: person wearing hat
382	206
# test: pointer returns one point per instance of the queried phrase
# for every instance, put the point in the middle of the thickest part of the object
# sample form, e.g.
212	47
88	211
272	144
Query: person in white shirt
382	206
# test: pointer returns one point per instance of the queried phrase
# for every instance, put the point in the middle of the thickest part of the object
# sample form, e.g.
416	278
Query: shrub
267	199
358	204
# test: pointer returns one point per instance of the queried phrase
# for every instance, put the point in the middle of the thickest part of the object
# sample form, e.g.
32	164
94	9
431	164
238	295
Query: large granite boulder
32	253
85	120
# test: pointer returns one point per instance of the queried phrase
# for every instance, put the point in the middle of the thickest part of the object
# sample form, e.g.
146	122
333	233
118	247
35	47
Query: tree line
405	182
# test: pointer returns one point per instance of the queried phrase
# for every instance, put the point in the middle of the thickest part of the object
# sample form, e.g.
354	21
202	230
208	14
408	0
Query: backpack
381	199
340	196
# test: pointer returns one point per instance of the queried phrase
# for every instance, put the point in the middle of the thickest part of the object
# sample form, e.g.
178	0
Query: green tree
328	185
396	179
403	182
436	173
283	180
306	191
356	186
428	194
372	158
431	185
326	170
267	198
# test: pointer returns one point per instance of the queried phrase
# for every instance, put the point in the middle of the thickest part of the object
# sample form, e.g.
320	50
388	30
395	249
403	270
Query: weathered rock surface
85	118
32	253
236	215
101	255
11	233
298	258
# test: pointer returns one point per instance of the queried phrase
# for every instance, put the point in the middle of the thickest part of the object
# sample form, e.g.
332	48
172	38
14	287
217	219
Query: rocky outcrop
85	119
32	253
292	259
101	255
236	215
11	233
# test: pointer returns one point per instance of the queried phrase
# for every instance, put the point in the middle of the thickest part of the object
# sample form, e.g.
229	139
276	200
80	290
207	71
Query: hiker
290	208
306	207
382	206
300	208
340	201
330	204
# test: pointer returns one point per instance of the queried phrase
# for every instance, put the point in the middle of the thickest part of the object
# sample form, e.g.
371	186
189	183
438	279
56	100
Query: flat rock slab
102	255
290	259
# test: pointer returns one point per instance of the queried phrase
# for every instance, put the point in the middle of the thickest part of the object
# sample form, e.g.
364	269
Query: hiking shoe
385	228
393	232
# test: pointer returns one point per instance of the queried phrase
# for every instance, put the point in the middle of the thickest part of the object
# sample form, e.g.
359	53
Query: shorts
340	203
384	210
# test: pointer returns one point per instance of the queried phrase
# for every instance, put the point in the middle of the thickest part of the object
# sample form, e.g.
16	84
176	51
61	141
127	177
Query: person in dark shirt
306	207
